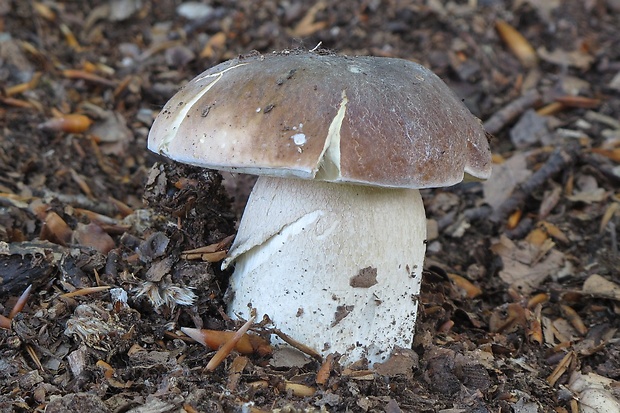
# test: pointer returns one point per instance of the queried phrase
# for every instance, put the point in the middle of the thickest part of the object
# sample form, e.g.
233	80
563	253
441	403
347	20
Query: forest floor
521	293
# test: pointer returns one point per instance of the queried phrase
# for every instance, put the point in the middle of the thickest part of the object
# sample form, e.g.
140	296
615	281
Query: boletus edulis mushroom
332	240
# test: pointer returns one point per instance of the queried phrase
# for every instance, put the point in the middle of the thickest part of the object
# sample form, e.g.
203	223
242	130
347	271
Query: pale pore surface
337	267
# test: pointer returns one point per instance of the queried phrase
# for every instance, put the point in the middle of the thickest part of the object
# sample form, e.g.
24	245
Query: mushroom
332	240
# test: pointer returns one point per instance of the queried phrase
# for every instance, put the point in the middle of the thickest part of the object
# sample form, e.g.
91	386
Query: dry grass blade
561	368
34	357
209	253
86	291
21	302
89	77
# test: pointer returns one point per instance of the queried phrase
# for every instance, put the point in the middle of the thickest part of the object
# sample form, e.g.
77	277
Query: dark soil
521	294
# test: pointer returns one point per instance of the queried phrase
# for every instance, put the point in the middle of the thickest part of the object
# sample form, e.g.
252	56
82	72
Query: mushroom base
336	267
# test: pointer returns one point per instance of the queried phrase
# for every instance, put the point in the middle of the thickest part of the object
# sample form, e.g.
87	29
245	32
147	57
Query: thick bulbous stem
337	267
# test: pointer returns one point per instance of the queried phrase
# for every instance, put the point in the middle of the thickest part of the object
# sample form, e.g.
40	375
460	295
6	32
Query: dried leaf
517	43
505	178
56	230
469	289
601	287
93	236
526	265
613	154
576	58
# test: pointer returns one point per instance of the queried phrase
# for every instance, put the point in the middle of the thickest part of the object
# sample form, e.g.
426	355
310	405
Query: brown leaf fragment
93	236
599	286
55	229
549	202
325	370
610	211
214	45
553	231
574	319
517	43
44	11
467	287
401	362
527	265
613	154
234	372
534	331
298	389
539	298
507	319
80	180
288	357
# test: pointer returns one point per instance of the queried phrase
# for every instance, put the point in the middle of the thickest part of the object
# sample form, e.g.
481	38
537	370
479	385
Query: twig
511	111
299	346
558	161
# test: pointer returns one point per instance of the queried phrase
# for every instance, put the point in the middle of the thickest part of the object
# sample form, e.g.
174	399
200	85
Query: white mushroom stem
337	267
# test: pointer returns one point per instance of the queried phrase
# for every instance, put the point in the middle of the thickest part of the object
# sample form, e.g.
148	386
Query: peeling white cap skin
366	120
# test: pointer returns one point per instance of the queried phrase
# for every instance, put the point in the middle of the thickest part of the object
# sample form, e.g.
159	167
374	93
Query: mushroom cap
364	120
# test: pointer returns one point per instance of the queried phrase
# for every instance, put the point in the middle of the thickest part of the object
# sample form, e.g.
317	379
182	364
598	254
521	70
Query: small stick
299	346
557	162
511	111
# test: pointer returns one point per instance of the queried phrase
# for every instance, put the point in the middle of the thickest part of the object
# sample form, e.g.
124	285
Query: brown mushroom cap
366	120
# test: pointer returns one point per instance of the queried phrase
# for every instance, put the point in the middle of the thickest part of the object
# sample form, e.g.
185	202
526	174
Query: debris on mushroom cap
367	120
